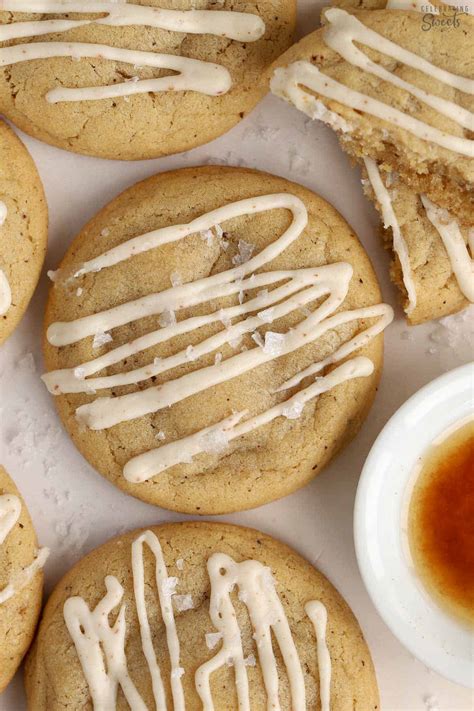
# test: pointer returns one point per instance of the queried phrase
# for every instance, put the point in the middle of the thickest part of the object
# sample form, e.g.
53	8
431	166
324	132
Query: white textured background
74	509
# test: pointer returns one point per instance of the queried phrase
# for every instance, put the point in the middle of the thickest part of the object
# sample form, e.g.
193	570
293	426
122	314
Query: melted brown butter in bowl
441	522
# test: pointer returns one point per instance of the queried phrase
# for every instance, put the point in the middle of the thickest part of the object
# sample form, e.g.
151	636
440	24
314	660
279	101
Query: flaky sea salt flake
168	586
212	639
167	318
100	339
183	602
293	410
266	315
274	343
245	252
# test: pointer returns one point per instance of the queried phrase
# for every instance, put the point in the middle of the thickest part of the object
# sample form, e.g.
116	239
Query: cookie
198	615
186	327
405	99
21	579
131	80
23	229
432	264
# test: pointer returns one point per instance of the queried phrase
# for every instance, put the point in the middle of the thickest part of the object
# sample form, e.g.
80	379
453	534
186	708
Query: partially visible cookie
432	263
393	92
23	229
203	327
198	615
21	579
137	80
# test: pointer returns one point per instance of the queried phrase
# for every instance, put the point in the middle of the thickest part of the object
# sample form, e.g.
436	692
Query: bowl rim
361	508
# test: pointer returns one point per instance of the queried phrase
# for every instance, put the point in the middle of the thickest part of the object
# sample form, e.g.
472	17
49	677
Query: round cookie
174	355
21	579
23	229
174	75
214	603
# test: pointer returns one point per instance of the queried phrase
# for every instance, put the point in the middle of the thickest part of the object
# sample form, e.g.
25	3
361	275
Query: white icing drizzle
166	606
343	30
10	510
24	576
95	639
192	74
147	465
256	589
5	291
300	287
445	224
318	615
461	260
390	220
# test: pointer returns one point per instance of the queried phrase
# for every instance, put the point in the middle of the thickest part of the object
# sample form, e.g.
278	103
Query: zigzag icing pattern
295	290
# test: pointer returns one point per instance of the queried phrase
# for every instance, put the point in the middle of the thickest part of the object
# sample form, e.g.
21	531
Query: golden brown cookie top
23	229
212	614
21	579
185	329
137	80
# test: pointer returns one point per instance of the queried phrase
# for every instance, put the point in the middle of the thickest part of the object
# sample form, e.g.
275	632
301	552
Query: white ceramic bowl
380	530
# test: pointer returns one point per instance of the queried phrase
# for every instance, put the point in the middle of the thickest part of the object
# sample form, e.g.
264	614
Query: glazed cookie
137	80
213	338
432	264
198	616
23	229
21	579
394	93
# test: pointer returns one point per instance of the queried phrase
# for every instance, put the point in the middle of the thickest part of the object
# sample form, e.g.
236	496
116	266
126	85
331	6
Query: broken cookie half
403	109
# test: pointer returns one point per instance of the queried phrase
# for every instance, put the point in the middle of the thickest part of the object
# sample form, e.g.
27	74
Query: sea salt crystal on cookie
245	252
160	435
180	564
177	673
212	639
235	342
293	410
183	602
100	339
274	343
168	586
266	315
167	318
250	661
258	339
216	440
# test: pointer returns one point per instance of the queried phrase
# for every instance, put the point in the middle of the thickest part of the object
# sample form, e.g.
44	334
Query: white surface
74	509
381	522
